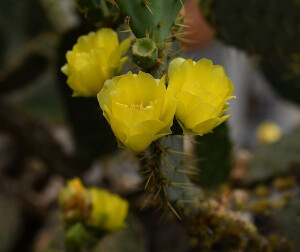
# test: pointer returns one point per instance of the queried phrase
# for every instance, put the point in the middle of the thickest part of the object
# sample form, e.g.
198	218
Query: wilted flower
138	108
201	90
109	210
95	58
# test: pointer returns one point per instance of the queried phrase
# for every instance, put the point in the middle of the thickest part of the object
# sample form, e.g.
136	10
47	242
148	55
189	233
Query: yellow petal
120	51
65	69
140	142
174	65
223	119
107	38
206	126
119	128
201	113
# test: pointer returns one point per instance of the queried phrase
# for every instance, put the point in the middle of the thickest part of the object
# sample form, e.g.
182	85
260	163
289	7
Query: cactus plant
284	75
214	163
144	52
269	29
151	18
167	176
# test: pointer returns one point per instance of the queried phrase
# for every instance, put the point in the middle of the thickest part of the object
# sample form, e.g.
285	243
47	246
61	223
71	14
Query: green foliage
151	18
270	29
278	158
214	153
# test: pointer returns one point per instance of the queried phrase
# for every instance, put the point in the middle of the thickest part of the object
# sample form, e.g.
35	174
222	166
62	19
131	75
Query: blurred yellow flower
95	58
268	133
138	108
74	200
201	90
108	210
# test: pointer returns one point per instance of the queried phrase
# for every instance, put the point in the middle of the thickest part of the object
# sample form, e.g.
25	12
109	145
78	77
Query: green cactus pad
214	163
270	29
96	10
153	18
284	75
144	52
170	177
263	27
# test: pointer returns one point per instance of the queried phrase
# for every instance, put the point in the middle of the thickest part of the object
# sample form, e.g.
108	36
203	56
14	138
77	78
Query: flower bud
144	52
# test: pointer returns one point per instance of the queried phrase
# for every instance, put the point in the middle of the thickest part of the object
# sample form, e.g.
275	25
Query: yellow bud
74	201
138	109
268	132
95	58
108	210
201	90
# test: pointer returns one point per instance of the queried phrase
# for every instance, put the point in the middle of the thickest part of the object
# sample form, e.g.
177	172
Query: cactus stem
167	177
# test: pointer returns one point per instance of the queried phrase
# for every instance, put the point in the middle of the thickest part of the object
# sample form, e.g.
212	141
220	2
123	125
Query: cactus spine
168	176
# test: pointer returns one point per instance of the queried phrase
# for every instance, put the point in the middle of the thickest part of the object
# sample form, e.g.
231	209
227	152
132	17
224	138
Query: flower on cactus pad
202	91
138	108
95	58
108	210
93	207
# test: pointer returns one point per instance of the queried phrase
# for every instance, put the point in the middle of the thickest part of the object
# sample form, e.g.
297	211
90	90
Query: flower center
138	107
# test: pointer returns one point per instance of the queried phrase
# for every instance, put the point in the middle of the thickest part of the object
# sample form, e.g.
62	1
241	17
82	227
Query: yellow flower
268	133
201	90
108	210
95	58
138	108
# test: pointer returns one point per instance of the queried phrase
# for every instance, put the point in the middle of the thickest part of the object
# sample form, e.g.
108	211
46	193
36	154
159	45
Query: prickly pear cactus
263	27
214	163
167	176
284	75
151	18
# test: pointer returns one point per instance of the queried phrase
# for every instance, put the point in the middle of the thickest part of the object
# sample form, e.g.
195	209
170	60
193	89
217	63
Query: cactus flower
95	58
108	210
138	109
201	90
74	201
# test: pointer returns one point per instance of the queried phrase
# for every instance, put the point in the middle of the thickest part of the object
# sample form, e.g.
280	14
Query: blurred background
46	136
